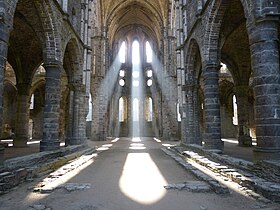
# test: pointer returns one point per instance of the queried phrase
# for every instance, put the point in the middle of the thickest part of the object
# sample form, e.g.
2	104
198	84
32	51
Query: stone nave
200	73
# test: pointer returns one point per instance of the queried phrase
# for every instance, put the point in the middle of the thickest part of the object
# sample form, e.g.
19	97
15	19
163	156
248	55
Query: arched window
149	53
235	112
122	109
89	116
149	109
135	110
122	52
135	53
32	102
178	113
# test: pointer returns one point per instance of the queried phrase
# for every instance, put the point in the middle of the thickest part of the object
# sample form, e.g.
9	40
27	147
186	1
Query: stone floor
231	149
125	174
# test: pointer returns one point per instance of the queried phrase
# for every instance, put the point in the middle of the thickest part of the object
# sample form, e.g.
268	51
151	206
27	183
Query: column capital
212	65
53	64
263	30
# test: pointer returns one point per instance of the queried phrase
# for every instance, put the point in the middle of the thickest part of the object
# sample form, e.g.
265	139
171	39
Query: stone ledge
38	158
238	170
32	166
214	184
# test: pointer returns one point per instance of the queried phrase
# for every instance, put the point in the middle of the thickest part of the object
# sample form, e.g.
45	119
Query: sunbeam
136	90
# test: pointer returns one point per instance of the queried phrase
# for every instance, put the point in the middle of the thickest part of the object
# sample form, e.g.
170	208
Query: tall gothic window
122	52
32	102
122	109
235	111
135	53
89	115
178	113
149	53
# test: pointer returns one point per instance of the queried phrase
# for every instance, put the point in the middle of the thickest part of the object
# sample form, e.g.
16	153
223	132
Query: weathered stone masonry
217	31
54	25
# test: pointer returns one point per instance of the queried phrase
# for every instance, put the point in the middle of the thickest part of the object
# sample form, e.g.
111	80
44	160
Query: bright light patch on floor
141	179
137	146
54	180
168	145
157	140
115	140
136	139
33	142
104	147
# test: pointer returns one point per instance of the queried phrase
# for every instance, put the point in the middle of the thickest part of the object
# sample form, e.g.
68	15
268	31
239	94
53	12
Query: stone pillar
189	114
169	88
22	115
38	124
169	119
266	76
212	131
4	36
192	124
77	115
99	108
196	125
50	140
184	127
242	94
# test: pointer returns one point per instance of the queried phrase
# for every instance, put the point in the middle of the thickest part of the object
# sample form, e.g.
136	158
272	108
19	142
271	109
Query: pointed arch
46	28
212	35
193	62
122	109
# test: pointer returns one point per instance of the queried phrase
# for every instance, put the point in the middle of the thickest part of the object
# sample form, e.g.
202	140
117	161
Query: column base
49	145
20	142
2	151
75	141
98	137
245	141
214	145
261	153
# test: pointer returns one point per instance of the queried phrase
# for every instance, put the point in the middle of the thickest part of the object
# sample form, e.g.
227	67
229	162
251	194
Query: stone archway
194	124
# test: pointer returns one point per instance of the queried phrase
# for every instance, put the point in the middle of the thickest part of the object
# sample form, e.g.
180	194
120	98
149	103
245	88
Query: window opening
149	52
122	53
149	109
235	112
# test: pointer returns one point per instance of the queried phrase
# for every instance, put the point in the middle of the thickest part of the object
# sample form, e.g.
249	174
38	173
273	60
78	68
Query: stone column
196	125
50	140
77	115
192	129
184	127
212	131
266	76
38	124
242	94
4	37
99	108
169	88
189	114
22	115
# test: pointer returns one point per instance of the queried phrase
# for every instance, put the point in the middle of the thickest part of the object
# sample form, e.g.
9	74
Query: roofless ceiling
124	16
